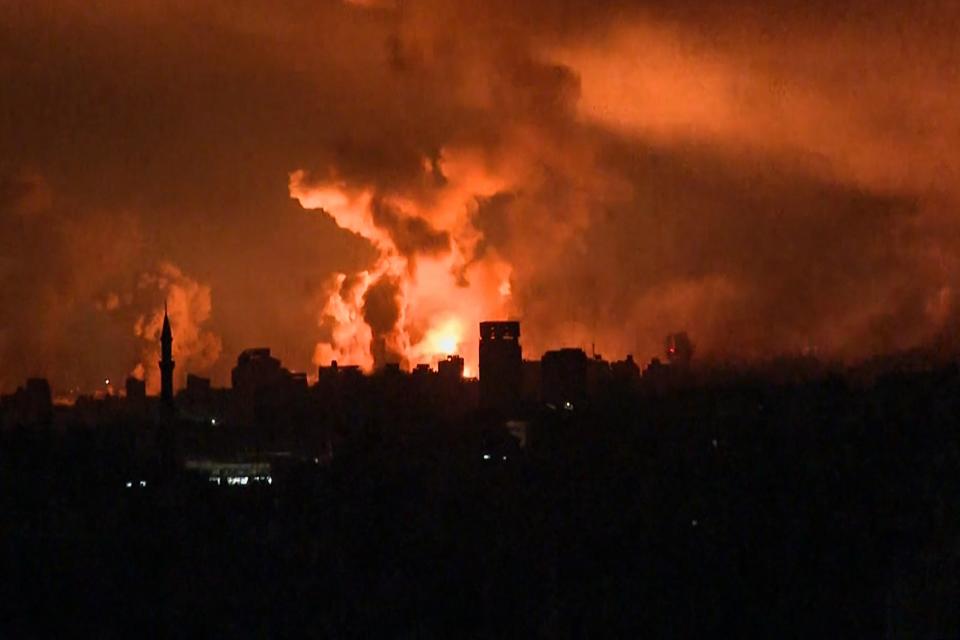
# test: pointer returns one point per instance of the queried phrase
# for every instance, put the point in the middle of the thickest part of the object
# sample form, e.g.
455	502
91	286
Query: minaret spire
166	362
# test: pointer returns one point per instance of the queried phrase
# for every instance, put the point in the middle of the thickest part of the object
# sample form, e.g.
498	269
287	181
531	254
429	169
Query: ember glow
367	180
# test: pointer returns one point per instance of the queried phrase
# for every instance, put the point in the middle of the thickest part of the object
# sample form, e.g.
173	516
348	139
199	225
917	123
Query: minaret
166	363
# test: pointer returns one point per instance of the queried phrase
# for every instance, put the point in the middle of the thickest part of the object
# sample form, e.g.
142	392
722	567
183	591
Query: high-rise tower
501	360
166	362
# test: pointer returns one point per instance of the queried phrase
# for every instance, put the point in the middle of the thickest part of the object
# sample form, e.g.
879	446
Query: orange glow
765	178
189	306
660	83
442	295
443	339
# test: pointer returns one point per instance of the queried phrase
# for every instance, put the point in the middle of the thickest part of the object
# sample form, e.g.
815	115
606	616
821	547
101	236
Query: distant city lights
240	481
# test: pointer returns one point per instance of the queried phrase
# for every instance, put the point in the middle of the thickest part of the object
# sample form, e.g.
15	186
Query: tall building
166	363
264	391
501	362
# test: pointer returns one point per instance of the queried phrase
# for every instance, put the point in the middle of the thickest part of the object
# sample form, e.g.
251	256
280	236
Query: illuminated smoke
608	172
195	348
72	306
428	289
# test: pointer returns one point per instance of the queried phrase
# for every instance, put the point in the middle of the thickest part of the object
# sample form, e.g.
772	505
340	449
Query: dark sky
368	179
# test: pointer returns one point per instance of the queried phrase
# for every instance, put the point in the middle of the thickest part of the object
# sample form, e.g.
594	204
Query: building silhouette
264	390
136	390
451	369
166	364
422	370
197	385
199	400
501	363
256	369
530	381
336	372
625	370
29	405
564	378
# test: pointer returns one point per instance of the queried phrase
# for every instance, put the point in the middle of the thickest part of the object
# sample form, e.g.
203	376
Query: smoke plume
188	305
767	176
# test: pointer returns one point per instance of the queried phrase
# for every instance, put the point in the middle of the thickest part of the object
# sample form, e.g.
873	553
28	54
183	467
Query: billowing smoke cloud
427	289
188	305
666	173
72	305
768	176
410	234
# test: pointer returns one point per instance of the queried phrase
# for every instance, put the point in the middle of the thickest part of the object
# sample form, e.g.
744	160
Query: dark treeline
735	509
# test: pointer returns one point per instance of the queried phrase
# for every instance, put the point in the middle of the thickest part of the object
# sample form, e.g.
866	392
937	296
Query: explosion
430	286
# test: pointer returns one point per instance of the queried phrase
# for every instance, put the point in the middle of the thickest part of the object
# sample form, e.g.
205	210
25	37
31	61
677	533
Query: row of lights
242	481
231	480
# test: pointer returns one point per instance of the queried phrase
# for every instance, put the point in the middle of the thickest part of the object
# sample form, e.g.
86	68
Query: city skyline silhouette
456	319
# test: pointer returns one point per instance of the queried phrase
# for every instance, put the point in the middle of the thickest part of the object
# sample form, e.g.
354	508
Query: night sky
365	181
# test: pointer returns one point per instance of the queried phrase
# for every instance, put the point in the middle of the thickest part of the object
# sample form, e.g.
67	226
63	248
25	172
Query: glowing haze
367	180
